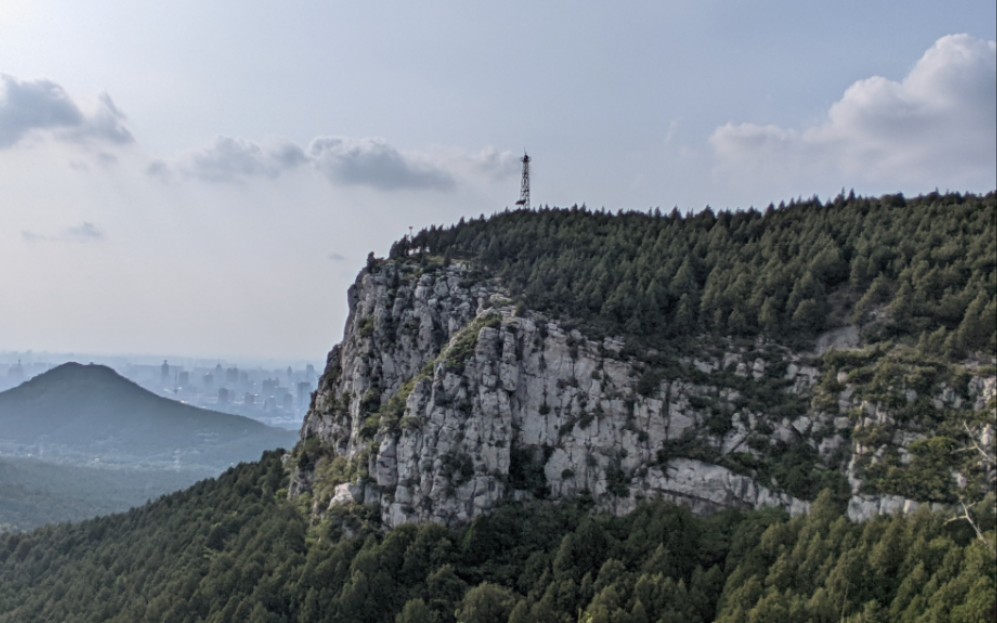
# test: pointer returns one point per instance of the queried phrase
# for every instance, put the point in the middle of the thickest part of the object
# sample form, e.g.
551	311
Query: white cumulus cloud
937	127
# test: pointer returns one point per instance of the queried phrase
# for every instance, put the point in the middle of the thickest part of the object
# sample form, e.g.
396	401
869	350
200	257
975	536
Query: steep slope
234	549
89	413
450	395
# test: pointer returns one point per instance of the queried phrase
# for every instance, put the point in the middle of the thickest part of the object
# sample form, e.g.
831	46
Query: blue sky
205	179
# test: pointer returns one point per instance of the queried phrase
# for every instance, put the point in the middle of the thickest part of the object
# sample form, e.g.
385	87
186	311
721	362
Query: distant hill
78	413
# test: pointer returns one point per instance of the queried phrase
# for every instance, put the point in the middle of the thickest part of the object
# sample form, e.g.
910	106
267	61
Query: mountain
566	415
738	360
89	414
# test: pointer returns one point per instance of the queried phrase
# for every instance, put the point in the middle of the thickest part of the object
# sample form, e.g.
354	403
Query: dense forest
920	269
34	493
234	549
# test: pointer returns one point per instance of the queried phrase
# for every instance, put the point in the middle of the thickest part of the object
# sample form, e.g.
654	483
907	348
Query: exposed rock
446	402
837	339
865	507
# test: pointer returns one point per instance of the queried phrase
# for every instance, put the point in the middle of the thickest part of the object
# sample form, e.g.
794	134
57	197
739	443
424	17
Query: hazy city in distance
276	393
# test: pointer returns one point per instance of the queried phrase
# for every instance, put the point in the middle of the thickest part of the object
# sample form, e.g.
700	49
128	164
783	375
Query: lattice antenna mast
524	190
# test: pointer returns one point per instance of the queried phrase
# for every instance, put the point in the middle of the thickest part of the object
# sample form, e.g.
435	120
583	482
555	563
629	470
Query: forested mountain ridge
565	354
544	438
924	265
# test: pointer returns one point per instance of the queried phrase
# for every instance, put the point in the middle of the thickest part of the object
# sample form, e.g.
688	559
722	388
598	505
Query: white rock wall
532	398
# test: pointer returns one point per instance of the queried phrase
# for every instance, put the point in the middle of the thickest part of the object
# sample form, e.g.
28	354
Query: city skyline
277	396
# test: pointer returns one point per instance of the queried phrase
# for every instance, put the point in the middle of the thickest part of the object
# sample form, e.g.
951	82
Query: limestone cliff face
444	400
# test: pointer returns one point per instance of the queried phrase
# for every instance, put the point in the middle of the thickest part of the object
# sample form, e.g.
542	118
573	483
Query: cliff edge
446	399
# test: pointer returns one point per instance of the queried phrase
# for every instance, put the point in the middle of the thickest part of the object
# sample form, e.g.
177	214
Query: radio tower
524	191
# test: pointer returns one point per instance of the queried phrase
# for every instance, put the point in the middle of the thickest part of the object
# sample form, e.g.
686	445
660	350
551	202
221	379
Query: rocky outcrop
445	399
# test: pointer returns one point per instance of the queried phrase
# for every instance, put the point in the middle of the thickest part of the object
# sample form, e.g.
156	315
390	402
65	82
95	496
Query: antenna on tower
524	191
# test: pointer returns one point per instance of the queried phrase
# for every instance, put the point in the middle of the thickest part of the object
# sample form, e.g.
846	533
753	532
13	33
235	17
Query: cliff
445	399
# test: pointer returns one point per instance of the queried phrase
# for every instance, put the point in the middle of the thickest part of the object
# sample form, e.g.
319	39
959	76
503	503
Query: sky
205	179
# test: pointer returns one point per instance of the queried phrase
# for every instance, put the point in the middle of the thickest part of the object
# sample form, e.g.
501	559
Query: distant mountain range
89	414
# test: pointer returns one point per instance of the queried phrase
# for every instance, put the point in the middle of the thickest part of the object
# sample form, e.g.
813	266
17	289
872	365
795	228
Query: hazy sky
206	178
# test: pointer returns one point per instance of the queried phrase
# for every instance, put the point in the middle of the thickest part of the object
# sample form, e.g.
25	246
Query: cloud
366	162
374	163
936	127
30	107
234	160
85	232
105	125
494	163
106	159
159	170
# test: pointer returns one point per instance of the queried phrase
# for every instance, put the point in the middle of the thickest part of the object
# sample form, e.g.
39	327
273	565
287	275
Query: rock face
445	400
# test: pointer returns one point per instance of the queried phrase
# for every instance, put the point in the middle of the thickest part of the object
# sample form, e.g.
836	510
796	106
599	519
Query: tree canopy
922	269
234	549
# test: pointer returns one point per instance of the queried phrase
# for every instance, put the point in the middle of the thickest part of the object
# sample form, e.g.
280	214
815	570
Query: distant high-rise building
164	373
303	394
223	395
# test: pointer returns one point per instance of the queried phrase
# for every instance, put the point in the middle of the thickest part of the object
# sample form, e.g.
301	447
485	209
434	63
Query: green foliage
788	273
486	603
617	481
231	549
907	383
648	382
526	469
461	347
34	493
307	453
